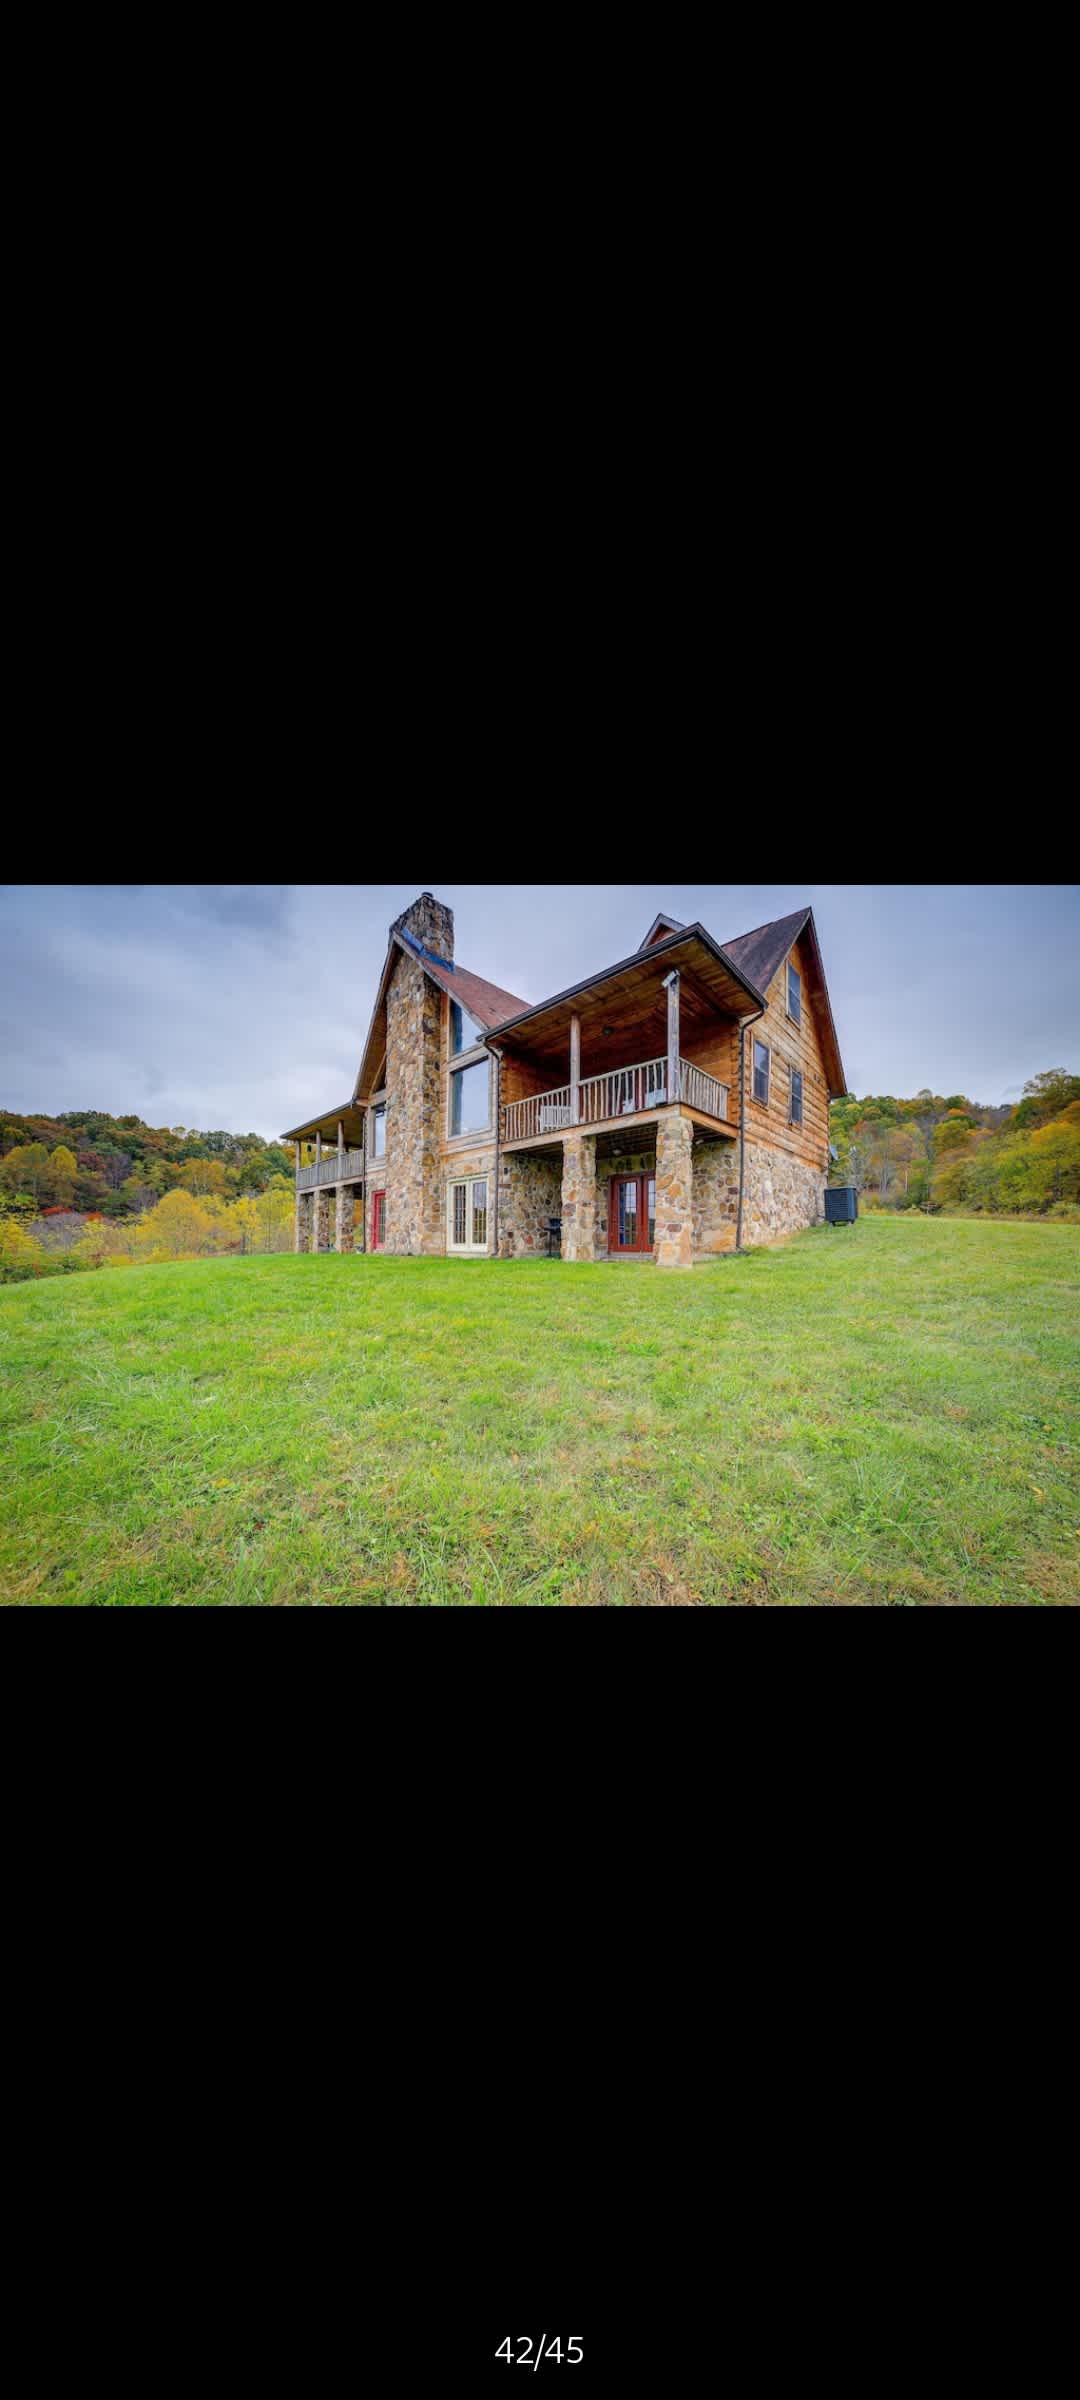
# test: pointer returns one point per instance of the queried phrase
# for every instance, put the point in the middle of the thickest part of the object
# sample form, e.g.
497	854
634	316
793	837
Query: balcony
604	1099
335	1166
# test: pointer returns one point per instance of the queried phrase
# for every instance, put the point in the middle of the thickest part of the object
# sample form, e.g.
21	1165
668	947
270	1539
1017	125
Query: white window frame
795	1014
467	1248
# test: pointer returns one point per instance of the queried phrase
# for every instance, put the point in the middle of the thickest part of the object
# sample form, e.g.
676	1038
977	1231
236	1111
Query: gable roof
485	1001
659	927
763	951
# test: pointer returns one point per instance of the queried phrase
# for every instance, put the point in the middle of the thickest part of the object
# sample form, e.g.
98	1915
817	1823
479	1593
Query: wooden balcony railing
346	1166
622	1092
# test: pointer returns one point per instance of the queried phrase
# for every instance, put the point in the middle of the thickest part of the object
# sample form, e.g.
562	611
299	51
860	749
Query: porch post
674	1189
340	1146
298	1237
318	1156
575	1070
579	1196
672	982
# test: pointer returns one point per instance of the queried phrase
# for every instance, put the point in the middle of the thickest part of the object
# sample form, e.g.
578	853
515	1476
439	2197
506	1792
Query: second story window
794	995
470	1098
796	1096
378	1132
761	1072
464	1030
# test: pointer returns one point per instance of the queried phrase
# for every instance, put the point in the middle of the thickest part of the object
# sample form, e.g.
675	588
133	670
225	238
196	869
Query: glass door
632	1225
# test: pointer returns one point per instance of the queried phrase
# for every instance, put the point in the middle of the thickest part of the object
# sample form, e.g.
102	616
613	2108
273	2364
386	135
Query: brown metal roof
485	1001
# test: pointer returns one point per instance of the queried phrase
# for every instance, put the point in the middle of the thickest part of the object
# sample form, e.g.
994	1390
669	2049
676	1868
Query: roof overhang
713	983
349	1116
819	993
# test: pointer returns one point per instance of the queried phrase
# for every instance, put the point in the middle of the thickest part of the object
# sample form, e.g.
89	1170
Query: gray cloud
247	1005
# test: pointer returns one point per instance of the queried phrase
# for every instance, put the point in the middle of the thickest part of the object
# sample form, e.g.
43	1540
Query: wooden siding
789	1046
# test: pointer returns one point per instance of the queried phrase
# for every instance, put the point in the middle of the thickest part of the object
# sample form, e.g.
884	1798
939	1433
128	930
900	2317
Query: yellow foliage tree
17	1247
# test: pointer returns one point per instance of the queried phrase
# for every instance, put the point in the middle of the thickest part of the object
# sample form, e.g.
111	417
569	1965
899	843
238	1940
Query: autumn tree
63	1169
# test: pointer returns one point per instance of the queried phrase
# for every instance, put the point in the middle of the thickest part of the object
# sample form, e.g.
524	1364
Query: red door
632	1223
378	1220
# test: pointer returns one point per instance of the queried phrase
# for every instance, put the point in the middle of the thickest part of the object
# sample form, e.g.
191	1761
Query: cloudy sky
244	1006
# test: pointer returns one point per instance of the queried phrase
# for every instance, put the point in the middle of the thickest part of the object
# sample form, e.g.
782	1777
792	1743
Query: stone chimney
430	923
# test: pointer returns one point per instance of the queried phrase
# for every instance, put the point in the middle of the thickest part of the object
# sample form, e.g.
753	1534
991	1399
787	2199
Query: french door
632	1223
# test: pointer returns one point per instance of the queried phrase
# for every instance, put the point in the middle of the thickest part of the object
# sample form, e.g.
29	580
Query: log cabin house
672	1106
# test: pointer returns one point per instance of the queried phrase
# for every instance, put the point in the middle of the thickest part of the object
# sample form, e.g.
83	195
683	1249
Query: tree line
87	1190
951	1153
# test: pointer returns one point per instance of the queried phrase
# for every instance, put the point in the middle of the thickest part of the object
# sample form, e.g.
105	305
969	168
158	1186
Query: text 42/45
530	2353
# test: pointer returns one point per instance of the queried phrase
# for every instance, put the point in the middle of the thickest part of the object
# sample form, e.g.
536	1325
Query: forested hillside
952	1153
79	1189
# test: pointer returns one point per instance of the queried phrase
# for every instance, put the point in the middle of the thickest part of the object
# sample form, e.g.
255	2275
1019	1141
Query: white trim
468	1185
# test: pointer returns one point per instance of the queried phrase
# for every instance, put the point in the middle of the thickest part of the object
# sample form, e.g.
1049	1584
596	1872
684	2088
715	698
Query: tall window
378	1221
470	1098
467	1208
796	1096
761	1072
378	1132
464	1030
794	995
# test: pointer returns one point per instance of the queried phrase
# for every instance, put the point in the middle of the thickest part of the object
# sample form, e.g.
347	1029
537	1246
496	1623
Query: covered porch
657	1033
330	1167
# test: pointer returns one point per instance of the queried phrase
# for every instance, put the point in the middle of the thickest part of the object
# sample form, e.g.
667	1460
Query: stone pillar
320	1220
579	1196
344	1237
674	1190
298	1242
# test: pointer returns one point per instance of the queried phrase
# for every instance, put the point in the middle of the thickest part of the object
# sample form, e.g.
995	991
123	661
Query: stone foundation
530	1191
579	1197
674	1190
780	1195
302	1235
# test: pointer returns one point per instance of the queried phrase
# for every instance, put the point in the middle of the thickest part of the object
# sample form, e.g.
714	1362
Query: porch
603	1103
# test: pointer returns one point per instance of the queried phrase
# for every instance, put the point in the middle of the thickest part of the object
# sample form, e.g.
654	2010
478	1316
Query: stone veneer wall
578	1208
530	1191
715	1197
781	1194
302	1235
414	1183
674	1189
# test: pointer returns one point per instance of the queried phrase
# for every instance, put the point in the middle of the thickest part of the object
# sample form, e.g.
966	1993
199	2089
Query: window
794	995
796	1096
464	1030
378	1133
378	1221
467	1228
470	1098
761	1072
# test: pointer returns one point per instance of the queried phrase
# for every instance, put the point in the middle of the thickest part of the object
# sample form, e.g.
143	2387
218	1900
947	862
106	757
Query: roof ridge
767	921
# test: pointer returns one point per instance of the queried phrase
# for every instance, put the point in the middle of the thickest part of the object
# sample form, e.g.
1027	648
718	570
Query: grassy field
887	1413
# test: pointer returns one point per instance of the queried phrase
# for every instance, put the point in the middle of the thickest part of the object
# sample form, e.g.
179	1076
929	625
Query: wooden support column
672	982
318	1156
340	1147
575	1070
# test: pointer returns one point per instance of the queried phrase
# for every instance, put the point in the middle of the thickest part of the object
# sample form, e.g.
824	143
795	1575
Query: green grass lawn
886	1413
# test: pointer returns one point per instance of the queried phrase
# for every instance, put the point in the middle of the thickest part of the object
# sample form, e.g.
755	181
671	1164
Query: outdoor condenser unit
841	1204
